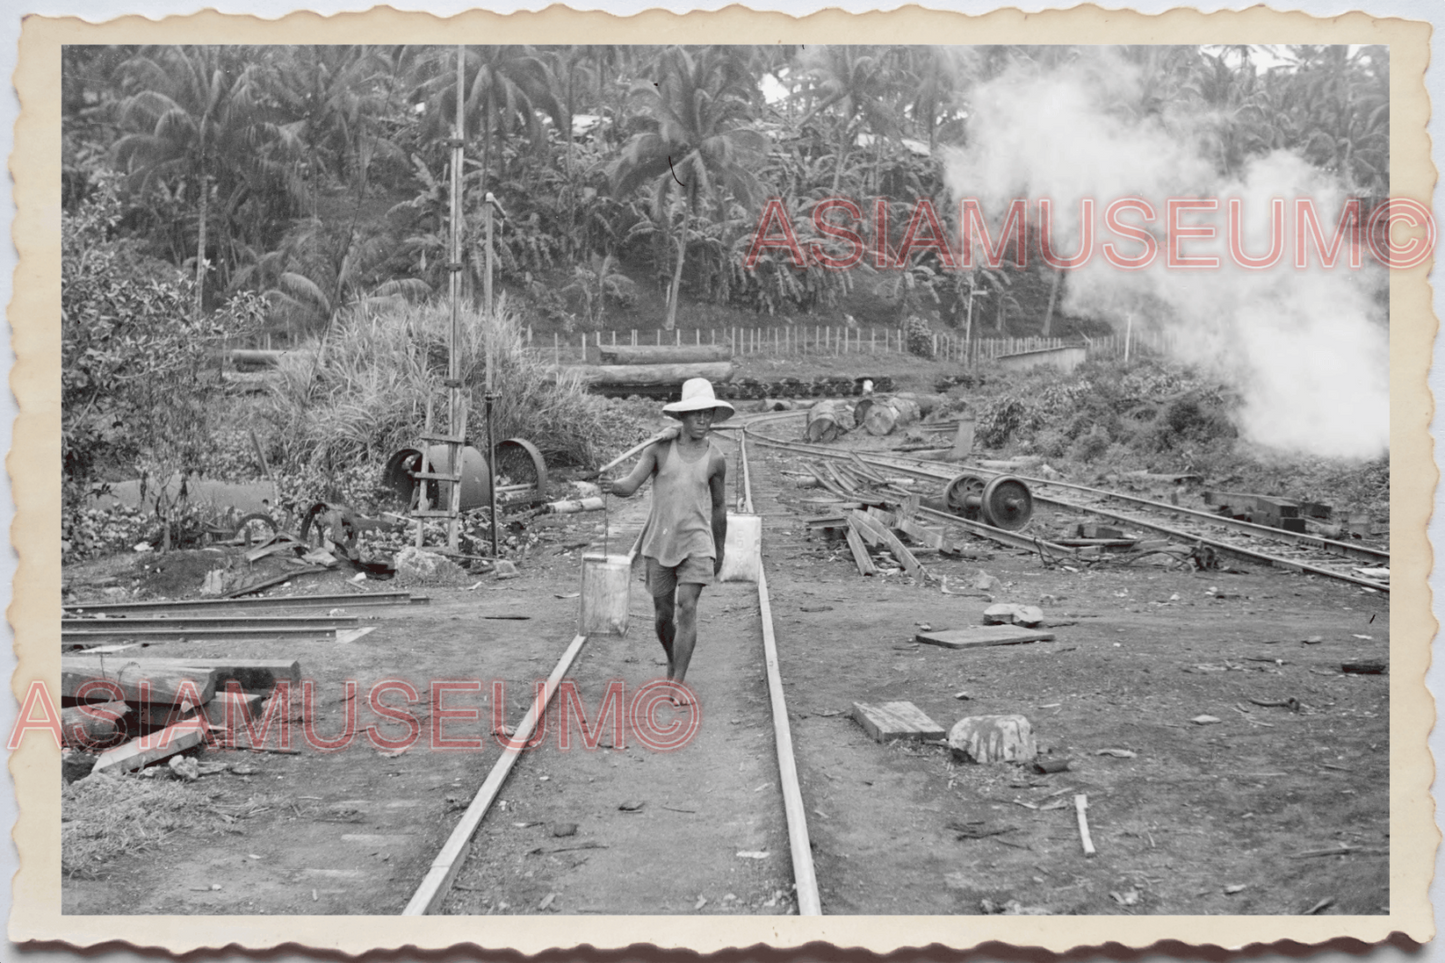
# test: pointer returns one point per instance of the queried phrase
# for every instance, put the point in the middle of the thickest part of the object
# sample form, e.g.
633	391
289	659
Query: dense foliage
317	175
137	364
222	195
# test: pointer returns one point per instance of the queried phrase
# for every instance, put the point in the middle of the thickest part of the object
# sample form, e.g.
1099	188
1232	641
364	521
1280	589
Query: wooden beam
138	680
860	553
88	729
164	674
904	556
145	750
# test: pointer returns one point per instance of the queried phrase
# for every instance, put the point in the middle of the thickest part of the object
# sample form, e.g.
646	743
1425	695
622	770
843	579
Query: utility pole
455	401
488	206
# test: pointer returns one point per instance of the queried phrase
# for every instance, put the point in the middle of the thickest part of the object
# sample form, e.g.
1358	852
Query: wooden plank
980	635
860	553
141	752
895	720
799	846
866	533
922	534
904	556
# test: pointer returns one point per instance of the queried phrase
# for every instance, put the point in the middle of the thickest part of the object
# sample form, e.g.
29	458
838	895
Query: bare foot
682	696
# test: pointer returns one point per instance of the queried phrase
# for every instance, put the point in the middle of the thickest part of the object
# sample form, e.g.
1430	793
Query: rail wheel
1007	503
254	529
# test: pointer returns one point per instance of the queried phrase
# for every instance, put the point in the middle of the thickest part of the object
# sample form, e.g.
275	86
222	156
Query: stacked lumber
164	706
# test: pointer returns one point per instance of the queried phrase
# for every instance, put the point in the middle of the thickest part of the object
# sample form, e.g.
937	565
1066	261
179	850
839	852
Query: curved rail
932	470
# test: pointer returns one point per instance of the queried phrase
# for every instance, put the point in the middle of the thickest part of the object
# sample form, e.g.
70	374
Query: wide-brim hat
697	395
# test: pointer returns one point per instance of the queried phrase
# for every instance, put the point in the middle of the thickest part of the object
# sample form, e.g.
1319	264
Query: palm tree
696	143
506	90
861	83
333	96
201	116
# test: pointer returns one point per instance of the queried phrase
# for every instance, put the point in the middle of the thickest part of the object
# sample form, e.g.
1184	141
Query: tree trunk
1053	298
653	374
201	246
671	321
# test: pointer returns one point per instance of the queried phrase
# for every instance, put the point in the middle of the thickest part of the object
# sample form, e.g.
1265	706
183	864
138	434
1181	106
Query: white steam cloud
1308	350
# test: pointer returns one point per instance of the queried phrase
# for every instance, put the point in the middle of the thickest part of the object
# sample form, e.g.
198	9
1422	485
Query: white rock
214	584
418	565
1005	738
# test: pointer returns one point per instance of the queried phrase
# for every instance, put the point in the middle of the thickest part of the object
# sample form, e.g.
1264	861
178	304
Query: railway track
1309	554
1288	550
431	895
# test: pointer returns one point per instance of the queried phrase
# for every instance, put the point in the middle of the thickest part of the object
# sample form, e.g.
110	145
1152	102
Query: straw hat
697	395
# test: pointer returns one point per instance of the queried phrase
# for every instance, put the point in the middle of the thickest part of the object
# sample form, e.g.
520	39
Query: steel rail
1276	561
198	606
1362	552
932	471
443	872
1003	537
804	876
257	622
1230	547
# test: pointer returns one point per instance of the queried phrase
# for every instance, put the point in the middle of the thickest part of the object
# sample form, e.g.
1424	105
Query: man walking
686	532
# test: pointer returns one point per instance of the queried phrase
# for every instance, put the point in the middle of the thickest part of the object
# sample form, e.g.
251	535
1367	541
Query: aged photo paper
1150	830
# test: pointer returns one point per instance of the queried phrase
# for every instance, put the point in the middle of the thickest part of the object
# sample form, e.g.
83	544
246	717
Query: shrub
367	396
918	336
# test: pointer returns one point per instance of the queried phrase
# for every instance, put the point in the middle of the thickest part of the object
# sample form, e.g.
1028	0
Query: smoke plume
1307	350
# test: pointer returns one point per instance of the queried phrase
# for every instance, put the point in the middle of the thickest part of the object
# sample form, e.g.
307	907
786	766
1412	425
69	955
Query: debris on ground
895	720
999	738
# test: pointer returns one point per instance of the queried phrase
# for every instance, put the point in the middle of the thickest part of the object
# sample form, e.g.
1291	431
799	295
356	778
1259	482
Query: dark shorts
662	579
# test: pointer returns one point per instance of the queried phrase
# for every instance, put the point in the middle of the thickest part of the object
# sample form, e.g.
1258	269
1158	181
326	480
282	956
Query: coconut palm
201	117
507	89
696	144
859	84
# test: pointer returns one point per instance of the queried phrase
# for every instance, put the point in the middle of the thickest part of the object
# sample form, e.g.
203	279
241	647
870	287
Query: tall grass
363	394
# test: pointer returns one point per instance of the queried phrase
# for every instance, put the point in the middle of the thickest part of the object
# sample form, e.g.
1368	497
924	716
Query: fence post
556	350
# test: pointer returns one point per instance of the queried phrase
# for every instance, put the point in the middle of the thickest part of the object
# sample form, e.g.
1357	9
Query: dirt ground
1221	818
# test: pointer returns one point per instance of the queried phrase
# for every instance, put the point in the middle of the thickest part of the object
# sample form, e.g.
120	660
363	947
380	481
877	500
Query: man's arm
717	485
642	471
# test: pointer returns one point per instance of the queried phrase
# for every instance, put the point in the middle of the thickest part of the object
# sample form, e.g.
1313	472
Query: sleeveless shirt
681	521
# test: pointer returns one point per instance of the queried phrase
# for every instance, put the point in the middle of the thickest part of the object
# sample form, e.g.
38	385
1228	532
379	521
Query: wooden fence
780	341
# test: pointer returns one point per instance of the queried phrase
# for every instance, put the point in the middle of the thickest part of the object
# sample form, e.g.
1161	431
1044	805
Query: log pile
137	711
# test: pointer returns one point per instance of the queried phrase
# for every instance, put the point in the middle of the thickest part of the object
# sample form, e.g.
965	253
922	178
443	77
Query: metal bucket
605	594
743	557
